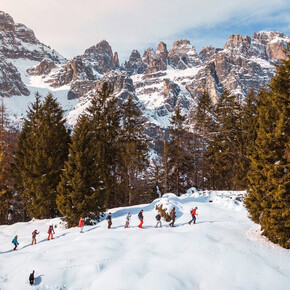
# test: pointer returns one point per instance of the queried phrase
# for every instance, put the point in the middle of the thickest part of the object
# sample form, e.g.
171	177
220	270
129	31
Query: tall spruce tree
204	127
79	191
248	121
223	149
134	148
42	150
269	199
180	156
8	139
104	114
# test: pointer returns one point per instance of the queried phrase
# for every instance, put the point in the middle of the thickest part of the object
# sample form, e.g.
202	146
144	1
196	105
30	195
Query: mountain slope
223	250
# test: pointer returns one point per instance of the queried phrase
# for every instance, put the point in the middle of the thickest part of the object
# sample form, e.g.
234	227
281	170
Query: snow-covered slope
223	251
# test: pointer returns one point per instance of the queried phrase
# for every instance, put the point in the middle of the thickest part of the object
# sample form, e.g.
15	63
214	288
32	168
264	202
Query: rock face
43	68
135	65
10	81
18	41
183	55
100	57
92	65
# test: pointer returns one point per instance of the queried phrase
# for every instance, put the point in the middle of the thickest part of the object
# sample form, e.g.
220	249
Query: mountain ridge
159	80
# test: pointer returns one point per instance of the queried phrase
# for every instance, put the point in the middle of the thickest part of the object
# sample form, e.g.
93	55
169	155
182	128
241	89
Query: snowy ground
222	251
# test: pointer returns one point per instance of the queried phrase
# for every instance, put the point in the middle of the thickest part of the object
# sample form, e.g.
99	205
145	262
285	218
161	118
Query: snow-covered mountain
159	80
222	251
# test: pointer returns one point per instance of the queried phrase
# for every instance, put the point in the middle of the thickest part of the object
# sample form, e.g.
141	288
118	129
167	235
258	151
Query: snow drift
224	250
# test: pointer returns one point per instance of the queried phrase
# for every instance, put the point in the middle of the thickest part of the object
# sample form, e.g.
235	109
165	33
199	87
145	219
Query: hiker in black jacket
31	278
158	218
140	216
109	219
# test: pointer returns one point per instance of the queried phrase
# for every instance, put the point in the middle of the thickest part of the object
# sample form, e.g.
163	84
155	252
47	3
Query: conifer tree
104	114
204	127
133	149
79	191
223	149
42	150
180	165
248	116
269	200
8	139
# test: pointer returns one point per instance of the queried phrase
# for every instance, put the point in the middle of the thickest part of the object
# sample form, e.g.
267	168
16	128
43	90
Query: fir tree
269	200
105	115
79	191
180	158
204	127
248	116
223	149
8	140
42	150
133	148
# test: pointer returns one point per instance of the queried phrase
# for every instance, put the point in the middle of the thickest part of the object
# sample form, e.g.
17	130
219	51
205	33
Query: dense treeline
227	145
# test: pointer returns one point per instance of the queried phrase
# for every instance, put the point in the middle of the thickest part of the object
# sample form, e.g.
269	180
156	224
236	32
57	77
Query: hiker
50	232
31	278
128	217
109	219
140	216
15	242
173	216
34	233
158	218
81	224
193	214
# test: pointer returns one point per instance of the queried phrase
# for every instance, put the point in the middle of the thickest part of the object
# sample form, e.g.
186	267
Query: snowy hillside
224	250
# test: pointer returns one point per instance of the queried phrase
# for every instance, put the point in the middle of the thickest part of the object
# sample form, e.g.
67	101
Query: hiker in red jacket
50	232
140	216
193	214
81	224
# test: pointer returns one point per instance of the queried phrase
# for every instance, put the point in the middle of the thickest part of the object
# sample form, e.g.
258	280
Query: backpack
158	217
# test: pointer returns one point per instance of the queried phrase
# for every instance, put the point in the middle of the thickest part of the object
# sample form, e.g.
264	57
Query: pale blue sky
71	26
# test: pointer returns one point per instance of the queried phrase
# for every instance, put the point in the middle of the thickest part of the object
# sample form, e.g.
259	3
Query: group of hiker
141	218
50	232
109	220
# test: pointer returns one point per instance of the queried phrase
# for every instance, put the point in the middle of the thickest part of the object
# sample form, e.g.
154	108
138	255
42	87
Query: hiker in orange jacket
81	224
50	232
193	214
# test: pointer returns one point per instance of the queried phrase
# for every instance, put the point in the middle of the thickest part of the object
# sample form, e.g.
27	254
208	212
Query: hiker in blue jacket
15	242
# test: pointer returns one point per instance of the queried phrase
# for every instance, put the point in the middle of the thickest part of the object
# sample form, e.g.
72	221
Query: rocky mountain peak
135	65
18	41
207	52
183	55
101	58
161	51
103	47
234	41
179	43
6	21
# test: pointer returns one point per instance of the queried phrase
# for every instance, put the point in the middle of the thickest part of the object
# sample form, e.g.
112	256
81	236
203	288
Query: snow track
224	250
